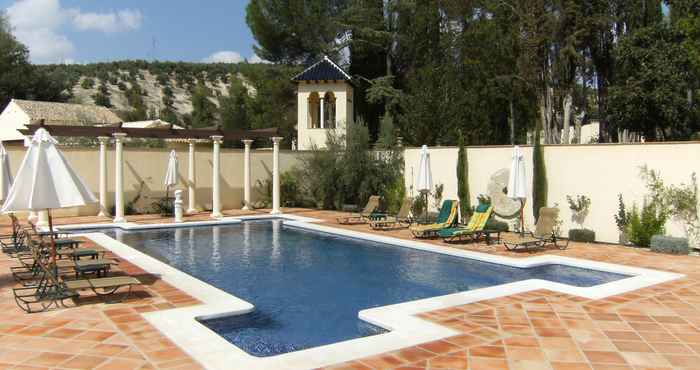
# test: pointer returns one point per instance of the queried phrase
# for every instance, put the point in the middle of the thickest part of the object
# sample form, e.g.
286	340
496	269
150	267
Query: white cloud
256	59
123	20
38	23
224	56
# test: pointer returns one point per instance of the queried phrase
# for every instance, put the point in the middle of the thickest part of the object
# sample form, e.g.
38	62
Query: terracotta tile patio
652	328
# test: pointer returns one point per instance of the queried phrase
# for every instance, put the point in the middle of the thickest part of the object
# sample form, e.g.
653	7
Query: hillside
198	94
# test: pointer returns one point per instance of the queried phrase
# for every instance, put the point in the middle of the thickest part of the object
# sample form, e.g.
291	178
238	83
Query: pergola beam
152	133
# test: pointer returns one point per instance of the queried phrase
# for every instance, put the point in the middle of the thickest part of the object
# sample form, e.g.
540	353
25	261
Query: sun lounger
14	242
473	230
52	291
446	219
365	216
401	220
543	235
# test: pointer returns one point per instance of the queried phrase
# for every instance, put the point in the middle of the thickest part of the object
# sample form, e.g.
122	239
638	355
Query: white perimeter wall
599	171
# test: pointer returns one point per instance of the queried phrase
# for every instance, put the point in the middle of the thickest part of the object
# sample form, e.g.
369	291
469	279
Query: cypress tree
539	177
463	179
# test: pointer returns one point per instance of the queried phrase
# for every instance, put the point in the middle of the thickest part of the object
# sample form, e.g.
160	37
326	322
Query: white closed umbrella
171	172
46	181
517	185
5	175
424	181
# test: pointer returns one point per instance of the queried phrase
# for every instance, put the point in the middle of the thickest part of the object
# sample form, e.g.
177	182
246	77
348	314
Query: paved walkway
652	328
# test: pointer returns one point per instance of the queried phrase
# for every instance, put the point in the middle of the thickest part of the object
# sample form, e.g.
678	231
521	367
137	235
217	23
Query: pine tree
234	110
539	177
203	110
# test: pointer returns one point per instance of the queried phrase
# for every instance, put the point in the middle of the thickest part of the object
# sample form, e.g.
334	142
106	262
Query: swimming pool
308	287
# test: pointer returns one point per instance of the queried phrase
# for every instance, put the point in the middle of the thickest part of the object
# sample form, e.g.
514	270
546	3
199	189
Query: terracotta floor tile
651	336
95	336
48	359
622	335
645	359
521	342
63	333
413	354
524	353
83	362
465	340
683	361
481	363
632	346
440	347
563	355
487	351
570	366
448	362
552	332
671	348
605	357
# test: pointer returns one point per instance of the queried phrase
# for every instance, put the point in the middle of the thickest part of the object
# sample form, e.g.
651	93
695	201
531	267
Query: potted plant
580	206
622	220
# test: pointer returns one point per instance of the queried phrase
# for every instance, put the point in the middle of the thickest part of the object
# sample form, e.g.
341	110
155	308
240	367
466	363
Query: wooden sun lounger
104	286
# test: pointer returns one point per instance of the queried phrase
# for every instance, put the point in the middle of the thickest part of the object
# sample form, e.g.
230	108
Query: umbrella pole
522	218
53	240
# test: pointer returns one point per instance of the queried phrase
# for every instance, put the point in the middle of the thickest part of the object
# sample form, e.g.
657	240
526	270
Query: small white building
324	102
20	113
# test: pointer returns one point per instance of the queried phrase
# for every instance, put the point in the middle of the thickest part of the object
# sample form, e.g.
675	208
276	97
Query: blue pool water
308	287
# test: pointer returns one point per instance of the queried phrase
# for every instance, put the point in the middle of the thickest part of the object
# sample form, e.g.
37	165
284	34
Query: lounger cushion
109	282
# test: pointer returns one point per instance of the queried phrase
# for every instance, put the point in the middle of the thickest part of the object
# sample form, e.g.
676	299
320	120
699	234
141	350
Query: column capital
119	135
103	139
192	141
247	142
276	139
217	139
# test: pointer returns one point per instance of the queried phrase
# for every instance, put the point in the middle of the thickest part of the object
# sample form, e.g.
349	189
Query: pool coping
214	352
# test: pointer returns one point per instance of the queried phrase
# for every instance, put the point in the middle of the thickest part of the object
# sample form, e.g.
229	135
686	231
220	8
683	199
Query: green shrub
669	244
87	83
642	226
493	224
290	195
582	235
622	218
418	207
347	171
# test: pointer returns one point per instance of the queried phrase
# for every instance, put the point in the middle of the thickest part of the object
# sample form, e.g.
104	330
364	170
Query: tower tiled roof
323	70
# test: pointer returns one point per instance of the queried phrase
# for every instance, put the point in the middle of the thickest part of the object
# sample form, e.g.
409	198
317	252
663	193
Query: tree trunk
511	121
567	107
602	110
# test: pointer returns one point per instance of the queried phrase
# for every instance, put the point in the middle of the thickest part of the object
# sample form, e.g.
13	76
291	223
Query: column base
119	220
192	210
275	212
245	208
103	214
216	215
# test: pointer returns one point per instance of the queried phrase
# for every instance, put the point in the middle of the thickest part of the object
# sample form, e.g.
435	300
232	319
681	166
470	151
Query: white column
119	177
43	220
276	175
103	176
322	119
216	195
246	175
191	181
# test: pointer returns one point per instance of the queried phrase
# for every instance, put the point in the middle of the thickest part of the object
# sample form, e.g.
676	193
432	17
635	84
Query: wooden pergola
104	133
152	133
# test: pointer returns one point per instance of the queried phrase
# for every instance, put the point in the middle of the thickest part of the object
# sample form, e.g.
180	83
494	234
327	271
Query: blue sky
102	30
